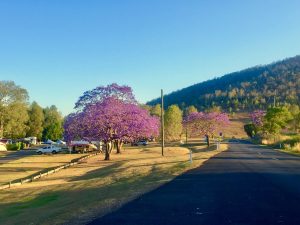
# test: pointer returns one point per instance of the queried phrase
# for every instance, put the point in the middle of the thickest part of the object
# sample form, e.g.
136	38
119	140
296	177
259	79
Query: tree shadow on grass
93	200
119	167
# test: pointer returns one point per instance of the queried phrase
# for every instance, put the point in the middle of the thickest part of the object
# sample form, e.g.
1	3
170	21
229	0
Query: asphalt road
245	185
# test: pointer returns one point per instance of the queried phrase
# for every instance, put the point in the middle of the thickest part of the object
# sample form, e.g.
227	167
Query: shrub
22	145
14	147
292	144
250	130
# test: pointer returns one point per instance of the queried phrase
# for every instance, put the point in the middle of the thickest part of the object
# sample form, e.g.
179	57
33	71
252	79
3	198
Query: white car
140	143
49	142
60	142
49	149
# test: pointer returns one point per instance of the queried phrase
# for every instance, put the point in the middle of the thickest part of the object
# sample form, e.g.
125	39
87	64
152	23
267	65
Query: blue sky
58	49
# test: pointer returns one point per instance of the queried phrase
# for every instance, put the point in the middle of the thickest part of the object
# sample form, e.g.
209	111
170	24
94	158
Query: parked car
60	142
49	142
82	148
140	143
49	149
6	141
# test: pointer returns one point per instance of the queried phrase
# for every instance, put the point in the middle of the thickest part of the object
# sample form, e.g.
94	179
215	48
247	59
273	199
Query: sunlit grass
29	165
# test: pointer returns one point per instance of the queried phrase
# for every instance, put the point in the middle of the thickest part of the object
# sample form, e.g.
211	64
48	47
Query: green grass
28	204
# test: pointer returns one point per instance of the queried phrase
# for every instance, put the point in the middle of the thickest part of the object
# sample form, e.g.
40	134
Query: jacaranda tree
206	123
110	114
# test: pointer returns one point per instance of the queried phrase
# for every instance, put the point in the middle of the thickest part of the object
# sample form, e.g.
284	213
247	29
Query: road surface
245	185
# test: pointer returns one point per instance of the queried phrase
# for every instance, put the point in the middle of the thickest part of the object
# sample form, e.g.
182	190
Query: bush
14	147
292	144
250	130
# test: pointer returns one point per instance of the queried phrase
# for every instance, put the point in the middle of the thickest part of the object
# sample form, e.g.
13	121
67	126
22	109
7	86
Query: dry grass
236	127
4	153
29	165
80	193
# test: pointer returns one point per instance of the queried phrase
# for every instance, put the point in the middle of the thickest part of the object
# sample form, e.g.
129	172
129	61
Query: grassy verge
30	165
96	187
276	146
289	151
4	153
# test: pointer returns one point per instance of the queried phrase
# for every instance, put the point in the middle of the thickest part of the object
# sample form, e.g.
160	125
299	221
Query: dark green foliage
14	147
36	120
53	131
53	128
246	90
250	130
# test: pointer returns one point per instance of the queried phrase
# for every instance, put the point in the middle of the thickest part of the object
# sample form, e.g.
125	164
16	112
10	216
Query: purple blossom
111	120
123	93
206	123
257	117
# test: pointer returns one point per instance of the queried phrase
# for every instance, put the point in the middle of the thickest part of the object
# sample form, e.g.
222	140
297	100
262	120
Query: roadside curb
46	172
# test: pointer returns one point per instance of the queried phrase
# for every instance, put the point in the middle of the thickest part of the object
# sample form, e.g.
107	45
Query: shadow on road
239	186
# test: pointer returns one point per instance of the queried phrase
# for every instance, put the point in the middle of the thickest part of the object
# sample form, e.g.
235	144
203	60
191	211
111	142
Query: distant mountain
249	89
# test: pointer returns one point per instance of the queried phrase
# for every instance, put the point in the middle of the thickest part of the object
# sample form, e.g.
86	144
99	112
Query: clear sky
57	49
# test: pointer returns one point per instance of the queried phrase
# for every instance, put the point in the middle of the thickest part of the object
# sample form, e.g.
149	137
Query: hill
245	90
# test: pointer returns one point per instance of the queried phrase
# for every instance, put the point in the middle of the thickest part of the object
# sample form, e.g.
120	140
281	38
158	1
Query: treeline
246	90
174	119
276	124
19	119
272	121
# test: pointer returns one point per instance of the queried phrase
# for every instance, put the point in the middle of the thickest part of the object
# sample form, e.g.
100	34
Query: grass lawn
3	153
29	165
93	188
292	152
236	127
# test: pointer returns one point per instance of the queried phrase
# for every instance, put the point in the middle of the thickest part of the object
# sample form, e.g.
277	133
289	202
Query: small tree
189	110
156	110
206	123
173	123
276	119
36	120
53	128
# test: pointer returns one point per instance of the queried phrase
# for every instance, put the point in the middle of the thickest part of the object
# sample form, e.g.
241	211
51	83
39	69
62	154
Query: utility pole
186	136
162	123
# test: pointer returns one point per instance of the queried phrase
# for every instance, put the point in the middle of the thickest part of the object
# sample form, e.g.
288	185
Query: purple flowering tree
257	118
98	94
111	116
206	123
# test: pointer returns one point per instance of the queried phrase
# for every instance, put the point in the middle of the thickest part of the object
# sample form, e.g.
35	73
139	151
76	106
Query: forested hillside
253	88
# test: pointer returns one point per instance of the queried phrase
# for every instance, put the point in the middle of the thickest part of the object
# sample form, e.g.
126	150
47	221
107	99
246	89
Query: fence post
191	156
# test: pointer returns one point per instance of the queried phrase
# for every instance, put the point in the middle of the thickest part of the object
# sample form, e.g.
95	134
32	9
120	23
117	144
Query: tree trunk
119	145
108	150
207	140
1	128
